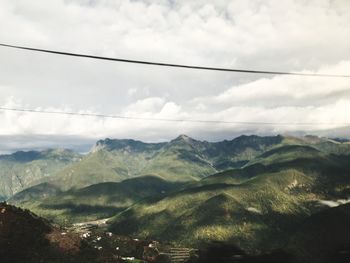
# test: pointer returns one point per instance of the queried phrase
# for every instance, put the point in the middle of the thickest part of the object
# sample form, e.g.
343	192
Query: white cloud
287	90
305	36
132	92
145	106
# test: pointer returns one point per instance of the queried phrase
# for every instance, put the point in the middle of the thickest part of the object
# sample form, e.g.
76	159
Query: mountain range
182	159
257	192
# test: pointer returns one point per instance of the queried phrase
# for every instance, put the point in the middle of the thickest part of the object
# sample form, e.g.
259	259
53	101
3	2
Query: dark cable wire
174	65
171	120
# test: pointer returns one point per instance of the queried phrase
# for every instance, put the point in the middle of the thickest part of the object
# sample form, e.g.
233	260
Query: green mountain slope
256	206
23	169
182	159
260	193
35	193
93	202
252	191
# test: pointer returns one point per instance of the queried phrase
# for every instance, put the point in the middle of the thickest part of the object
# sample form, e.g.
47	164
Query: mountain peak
110	144
182	140
118	144
183	137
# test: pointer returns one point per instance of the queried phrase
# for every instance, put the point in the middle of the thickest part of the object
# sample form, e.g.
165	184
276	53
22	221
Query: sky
290	35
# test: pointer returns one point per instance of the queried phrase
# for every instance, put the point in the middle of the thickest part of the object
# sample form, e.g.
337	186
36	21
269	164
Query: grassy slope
108	164
255	206
93	202
241	213
101	166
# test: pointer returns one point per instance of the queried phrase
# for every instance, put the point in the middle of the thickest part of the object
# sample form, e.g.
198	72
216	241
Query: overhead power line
172	120
173	65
